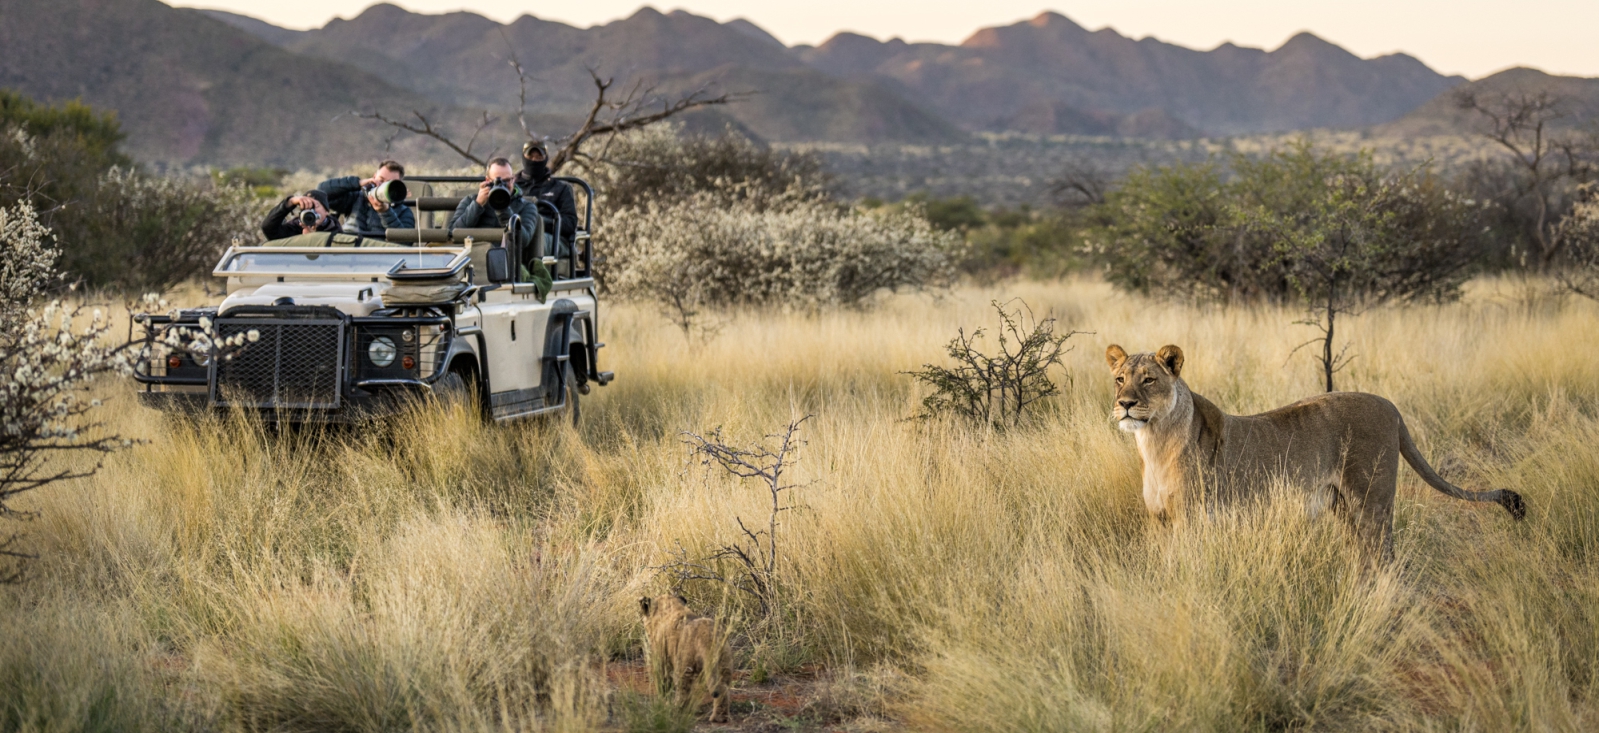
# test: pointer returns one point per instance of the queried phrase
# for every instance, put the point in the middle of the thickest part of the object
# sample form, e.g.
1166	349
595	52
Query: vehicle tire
456	388
572	405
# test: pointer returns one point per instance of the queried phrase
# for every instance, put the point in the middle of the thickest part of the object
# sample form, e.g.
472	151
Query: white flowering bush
50	353
48	356
1580	233
728	247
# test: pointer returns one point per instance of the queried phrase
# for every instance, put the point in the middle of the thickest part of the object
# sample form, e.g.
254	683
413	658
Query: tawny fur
683	646
1343	447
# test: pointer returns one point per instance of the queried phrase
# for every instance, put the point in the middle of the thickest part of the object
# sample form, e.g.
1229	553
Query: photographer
479	212
300	214
363	204
536	183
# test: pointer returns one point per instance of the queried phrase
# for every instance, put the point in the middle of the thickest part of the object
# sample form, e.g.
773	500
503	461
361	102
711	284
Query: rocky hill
217	88
188	88
1050	75
1441	116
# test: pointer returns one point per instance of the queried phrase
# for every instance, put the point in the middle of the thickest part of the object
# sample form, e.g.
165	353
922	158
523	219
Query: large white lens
382	351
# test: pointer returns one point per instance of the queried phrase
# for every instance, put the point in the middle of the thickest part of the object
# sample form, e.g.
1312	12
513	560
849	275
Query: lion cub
684	645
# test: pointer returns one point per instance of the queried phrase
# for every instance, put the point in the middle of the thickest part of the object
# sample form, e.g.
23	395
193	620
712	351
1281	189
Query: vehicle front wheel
457	388
572	405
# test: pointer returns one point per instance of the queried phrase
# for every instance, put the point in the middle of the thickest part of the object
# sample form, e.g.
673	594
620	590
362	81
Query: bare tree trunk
1326	343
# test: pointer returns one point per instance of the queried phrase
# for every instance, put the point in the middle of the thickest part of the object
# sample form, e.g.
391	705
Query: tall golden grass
440	574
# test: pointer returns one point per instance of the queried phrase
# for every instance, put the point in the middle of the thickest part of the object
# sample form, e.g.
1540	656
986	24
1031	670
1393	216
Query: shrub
659	165
140	233
1192	232
737	245
996	389
118	227
1580	231
47	358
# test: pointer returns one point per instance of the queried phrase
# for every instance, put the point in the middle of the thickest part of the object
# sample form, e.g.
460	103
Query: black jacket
279	225
555	192
346	198
469	214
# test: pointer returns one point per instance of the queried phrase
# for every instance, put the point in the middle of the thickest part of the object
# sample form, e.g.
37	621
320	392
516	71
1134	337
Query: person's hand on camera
483	192
379	206
303	202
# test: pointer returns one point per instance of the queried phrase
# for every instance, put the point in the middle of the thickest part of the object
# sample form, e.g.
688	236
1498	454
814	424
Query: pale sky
1469	37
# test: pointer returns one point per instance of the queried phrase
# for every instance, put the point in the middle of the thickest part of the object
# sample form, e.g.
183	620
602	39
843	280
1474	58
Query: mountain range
210	87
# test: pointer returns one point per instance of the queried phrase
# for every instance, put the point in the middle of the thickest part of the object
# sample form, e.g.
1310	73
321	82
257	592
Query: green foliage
1003	241
116	227
1255	231
141	233
263	182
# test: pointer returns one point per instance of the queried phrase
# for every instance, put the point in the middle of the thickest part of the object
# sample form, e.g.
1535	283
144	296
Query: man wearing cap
284	219
360	203
536	184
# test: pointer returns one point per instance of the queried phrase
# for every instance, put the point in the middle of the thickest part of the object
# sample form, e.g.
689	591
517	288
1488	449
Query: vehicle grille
296	364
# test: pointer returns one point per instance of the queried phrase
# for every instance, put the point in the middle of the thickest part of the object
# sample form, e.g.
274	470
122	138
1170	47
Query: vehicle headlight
382	351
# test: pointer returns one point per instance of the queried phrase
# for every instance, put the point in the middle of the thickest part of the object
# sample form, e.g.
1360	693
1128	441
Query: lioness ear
1114	356
644	605
1172	358
681	598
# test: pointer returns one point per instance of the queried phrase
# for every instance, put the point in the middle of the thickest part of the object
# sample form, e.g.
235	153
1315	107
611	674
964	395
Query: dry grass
445	575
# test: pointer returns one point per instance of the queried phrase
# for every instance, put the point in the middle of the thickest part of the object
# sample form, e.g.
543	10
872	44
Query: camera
308	218
388	192
500	193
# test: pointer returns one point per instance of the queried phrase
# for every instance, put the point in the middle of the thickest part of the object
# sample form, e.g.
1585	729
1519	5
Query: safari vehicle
344	326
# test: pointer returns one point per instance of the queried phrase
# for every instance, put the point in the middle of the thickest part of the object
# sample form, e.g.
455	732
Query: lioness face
1146	384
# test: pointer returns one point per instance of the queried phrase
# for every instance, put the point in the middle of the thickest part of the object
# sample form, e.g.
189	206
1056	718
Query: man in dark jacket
284	219
355	200
476	213
536	183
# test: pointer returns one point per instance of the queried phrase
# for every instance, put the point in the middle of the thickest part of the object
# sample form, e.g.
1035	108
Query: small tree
997	389
1355	238
755	553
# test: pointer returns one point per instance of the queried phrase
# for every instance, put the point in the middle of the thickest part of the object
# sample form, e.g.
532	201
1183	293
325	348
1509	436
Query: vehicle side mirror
497	260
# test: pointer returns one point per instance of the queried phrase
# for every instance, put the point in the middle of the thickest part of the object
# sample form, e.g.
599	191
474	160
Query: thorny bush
997	389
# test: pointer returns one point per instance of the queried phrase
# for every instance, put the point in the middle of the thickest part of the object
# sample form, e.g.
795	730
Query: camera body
501	192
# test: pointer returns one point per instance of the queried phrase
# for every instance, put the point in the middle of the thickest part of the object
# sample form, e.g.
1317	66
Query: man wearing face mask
536	183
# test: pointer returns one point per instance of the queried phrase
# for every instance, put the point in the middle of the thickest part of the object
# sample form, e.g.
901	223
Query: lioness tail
1506	498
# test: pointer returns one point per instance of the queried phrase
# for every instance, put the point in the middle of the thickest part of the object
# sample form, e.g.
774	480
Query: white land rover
334	327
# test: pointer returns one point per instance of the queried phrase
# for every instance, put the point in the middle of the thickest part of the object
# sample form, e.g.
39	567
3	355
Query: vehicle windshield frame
383	261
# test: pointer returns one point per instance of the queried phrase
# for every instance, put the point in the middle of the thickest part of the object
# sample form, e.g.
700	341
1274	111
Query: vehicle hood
352	298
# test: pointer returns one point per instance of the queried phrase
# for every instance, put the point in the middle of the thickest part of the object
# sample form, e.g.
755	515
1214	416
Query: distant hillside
209	87
1441	116
1050	75
188	88
462	59
1047	75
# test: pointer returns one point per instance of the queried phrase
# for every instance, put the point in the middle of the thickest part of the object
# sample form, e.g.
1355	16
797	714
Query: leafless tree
608	115
1527	125
1082	183
755	554
427	128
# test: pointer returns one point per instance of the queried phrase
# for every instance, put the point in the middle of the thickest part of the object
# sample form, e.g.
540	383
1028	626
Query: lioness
1345	446
685	645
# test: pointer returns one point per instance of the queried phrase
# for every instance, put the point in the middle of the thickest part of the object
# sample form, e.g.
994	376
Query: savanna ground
444	575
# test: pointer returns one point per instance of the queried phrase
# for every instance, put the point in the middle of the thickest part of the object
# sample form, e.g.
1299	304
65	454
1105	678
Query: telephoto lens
500	194
308	217
389	192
